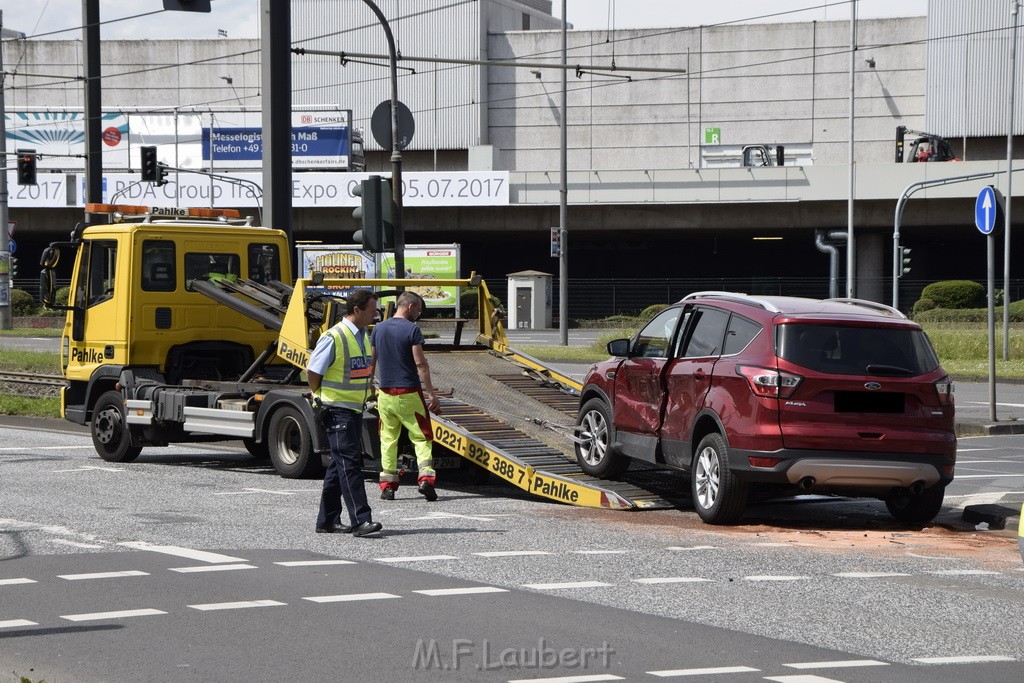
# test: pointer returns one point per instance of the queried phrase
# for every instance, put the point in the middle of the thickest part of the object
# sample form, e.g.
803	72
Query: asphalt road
200	563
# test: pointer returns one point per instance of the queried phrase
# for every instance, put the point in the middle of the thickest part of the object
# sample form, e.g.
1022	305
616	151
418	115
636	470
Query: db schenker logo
306	118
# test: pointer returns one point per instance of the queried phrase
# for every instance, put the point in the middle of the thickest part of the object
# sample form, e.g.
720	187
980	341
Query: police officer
339	373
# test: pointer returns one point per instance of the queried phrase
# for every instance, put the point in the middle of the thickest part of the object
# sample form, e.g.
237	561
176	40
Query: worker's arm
313	380
420	358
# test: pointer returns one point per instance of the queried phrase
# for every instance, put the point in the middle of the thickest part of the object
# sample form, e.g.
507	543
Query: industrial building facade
656	190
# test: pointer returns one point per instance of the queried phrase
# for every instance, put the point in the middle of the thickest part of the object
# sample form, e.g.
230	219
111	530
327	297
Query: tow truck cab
131	305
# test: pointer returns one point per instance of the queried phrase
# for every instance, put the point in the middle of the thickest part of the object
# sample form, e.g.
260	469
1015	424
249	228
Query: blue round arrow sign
985	210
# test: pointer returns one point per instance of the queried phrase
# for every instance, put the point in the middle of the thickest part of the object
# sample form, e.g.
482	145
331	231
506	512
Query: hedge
955	294
968	315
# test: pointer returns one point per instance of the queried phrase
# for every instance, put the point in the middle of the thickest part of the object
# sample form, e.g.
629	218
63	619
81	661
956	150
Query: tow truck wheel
291	445
110	436
718	496
919	508
260	451
595	455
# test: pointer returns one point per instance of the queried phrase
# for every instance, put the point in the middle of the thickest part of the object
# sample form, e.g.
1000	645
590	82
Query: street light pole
1014	4
6	318
563	203
396	153
851	245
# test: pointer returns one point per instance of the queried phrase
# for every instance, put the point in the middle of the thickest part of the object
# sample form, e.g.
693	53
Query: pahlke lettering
555	489
293	355
86	355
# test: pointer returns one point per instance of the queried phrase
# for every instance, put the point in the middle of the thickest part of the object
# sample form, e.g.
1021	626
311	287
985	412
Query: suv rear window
857	350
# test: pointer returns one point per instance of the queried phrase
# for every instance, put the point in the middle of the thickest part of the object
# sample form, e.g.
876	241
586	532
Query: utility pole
93	104
563	204
6	318
851	245
1008	201
276	82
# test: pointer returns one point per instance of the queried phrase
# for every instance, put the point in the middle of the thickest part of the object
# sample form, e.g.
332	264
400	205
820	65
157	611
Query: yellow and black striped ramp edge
530	464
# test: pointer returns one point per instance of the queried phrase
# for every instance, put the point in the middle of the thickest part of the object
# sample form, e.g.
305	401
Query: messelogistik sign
319	140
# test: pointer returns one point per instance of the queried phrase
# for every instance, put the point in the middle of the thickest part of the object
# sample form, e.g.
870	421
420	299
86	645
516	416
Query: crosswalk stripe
435	592
101	575
351	597
709	671
94	616
243	604
849	663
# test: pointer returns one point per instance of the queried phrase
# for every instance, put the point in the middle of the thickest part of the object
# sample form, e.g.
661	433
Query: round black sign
380	125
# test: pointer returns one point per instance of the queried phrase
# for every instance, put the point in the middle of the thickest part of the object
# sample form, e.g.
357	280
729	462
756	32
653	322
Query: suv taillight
945	388
769	383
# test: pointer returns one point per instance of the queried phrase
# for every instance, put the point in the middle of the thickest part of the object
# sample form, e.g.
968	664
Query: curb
989	428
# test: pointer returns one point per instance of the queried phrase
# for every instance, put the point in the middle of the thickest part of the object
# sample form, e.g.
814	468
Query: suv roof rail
734	296
873	305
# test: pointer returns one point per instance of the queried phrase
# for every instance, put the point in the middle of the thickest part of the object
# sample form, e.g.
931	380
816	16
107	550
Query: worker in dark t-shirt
405	395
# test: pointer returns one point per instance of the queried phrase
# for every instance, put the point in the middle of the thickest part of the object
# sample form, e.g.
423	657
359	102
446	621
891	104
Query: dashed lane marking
512	553
198	555
417	558
966	659
123	614
313	563
12	582
964	572
471	590
691	547
671	579
352	597
243	604
15	623
46	448
212	568
801	678
101	575
842	664
868	575
989	476
88	468
771	577
599	552
571	584
569	679
248	491
709	671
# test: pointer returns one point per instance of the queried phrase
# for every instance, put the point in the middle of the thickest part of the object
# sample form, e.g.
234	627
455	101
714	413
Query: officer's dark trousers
344	477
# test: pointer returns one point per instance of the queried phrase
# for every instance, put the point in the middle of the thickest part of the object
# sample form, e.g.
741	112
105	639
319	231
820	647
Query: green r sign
712	136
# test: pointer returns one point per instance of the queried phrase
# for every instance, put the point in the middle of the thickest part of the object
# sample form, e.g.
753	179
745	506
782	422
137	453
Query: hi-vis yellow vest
348	378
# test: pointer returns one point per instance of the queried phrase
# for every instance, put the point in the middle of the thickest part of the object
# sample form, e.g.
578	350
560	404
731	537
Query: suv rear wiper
889	370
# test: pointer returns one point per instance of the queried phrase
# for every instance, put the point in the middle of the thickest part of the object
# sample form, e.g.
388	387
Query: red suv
840	396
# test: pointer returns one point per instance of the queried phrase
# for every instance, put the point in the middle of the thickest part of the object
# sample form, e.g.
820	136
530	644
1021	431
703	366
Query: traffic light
187	5
14	266
904	260
375	214
152	170
26	167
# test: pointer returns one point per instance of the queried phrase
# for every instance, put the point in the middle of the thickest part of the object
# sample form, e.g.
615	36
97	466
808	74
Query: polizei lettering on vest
292	355
555	489
86	355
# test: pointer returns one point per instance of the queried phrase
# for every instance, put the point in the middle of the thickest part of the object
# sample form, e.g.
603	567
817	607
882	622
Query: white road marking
101	575
351	597
768	577
973	450
868	575
988	476
600	552
980	462
451	515
74	544
14	623
471	590
244	492
710	671
671	579
49	448
801	678
571	584
211	568
691	547
569	679
512	553
417	558
11	582
244	604
197	555
964	572
842	664
86	468
95	616
968	659
312	563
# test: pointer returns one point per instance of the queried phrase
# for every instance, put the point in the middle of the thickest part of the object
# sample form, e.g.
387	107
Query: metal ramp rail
530	464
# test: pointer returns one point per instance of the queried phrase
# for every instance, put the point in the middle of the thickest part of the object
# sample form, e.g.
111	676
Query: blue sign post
986	210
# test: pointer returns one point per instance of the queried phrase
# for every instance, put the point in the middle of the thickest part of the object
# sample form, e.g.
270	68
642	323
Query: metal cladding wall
448	101
968	67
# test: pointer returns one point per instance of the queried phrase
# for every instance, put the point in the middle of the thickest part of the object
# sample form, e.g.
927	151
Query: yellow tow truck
181	327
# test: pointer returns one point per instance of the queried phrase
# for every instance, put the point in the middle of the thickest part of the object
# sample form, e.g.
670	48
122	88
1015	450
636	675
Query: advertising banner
59	138
429	262
319	140
335	262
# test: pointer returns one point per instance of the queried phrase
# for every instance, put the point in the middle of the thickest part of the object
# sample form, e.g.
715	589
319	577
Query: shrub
922	305
22	303
970	315
60	298
652	311
955	294
468	303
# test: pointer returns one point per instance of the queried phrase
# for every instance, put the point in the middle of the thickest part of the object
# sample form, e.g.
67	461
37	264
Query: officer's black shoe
336	529
387	494
367	528
427	489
